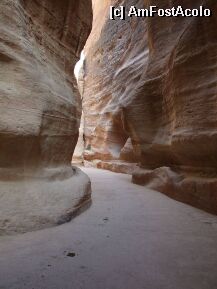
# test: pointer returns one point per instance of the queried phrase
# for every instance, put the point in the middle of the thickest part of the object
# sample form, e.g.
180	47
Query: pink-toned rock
115	56
153	80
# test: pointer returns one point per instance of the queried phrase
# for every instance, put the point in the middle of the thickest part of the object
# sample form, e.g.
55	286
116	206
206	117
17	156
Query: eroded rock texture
154	80
40	109
115	56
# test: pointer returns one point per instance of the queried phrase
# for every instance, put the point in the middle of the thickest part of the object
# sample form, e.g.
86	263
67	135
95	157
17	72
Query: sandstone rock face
115	56
153	80
40	111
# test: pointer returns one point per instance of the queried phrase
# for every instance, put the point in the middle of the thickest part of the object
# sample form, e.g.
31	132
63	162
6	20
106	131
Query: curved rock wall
173	115
40	111
154	80
115	55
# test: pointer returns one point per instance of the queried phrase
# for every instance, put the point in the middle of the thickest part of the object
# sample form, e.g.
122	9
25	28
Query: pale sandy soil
130	238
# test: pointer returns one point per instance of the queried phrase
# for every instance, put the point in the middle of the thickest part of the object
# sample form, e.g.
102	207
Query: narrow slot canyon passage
108	145
130	237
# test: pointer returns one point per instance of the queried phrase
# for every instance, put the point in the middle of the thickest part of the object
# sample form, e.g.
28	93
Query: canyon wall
115	57
40	110
152	82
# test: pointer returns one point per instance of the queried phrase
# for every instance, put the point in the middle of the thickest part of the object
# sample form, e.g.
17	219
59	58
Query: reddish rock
153	80
115	56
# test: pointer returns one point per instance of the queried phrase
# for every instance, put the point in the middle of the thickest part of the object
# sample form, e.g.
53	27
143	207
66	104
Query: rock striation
40	110
115	56
176	125
152	82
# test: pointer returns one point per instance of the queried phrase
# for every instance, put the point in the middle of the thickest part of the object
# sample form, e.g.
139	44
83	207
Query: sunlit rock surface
40	111
115	56
153	80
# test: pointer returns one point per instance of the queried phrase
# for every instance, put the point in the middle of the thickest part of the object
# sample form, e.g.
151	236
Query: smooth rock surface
40	108
172	115
131	237
152	82
115	56
35	202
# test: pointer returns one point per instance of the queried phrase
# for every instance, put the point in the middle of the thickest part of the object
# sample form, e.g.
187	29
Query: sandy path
130	238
